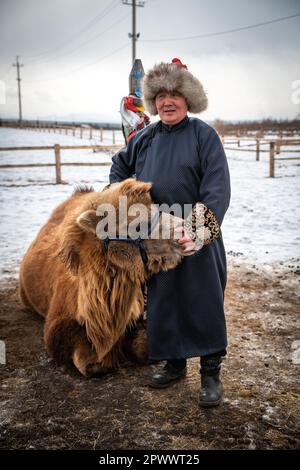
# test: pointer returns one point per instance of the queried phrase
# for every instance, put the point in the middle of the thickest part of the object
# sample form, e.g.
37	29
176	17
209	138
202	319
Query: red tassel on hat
178	62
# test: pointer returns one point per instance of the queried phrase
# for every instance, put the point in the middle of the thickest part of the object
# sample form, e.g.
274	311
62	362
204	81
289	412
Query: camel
90	289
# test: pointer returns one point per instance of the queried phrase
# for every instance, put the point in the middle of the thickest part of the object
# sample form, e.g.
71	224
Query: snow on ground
261	225
25	176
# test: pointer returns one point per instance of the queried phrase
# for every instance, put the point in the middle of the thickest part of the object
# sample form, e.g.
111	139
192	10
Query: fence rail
275	148
80	131
57	154
63	147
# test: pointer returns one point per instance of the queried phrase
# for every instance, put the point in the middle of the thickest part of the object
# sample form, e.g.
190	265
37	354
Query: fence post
101	134
272	160
91	132
57	163
238	137
278	147
81	132
73	130
114	137
257	148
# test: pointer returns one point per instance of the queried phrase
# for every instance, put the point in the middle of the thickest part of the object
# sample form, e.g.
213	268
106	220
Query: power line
257	25
79	68
86	42
97	18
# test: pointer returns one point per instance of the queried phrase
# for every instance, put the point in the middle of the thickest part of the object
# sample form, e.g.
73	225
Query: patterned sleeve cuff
201	225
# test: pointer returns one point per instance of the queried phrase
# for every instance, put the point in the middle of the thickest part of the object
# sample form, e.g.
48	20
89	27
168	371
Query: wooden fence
57	154
275	148
80	131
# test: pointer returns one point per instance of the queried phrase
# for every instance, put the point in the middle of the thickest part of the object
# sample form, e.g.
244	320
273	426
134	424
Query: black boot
211	393
172	372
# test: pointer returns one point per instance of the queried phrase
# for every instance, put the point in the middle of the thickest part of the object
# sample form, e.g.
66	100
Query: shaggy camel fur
92	297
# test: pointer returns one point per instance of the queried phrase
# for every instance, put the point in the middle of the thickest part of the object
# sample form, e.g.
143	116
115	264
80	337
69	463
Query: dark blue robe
186	164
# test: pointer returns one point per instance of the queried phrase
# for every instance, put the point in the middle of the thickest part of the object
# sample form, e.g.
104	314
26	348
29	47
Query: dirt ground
44	406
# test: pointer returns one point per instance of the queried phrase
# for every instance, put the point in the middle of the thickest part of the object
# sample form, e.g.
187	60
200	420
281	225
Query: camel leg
135	343
86	360
24	299
66	342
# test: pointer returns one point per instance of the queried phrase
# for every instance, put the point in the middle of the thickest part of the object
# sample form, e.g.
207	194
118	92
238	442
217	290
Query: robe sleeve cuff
201	225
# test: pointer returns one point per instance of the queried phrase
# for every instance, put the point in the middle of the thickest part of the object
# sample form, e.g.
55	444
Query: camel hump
82	189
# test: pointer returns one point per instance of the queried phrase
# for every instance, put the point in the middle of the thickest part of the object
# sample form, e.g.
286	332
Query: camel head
120	227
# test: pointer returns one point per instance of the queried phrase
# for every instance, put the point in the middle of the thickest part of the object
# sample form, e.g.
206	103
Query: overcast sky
77	54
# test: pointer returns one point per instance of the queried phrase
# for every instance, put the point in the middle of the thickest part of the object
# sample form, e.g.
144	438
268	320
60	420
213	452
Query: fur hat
170	78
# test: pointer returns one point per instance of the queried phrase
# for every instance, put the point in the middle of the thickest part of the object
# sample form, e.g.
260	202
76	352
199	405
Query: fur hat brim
173	78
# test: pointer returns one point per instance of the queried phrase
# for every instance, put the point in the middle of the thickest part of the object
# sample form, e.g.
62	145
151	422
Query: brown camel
91	292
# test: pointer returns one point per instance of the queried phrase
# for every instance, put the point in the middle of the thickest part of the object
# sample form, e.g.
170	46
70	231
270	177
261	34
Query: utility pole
18	65
134	36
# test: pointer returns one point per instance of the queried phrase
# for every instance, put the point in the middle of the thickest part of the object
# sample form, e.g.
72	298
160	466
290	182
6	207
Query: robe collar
180	125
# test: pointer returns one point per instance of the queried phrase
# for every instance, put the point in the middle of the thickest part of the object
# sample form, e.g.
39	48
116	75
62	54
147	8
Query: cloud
247	74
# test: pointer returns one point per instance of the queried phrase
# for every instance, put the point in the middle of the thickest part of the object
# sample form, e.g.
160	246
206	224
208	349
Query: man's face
172	108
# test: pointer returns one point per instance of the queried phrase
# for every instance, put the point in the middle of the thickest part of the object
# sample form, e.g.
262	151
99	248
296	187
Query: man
184	159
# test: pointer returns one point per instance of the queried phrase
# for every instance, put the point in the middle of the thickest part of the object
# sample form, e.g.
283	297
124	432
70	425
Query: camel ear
88	221
70	247
131	187
71	237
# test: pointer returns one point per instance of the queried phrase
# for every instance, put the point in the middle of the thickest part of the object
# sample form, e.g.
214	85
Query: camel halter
138	242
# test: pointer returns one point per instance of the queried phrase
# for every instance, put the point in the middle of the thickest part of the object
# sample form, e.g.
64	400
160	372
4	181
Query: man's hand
188	245
200	228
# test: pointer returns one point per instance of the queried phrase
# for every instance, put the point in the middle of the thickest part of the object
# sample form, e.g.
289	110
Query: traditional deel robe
187	165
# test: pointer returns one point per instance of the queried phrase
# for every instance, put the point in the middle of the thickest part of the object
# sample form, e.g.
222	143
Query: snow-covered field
263	221
261	225
25	176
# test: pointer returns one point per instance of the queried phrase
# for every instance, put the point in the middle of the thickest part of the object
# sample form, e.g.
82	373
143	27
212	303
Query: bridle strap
138	242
